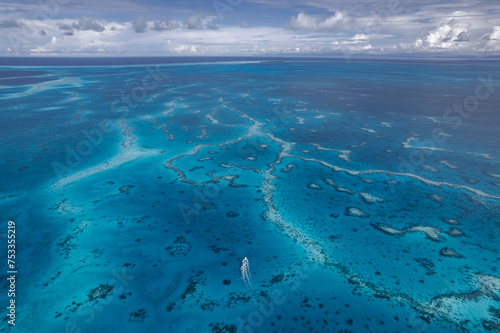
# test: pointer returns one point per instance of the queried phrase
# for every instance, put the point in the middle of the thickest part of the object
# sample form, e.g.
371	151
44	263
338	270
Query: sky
249	27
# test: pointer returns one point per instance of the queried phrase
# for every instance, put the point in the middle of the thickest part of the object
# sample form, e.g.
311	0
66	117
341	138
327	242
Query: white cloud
364	37
490	42
456	34
425	26
455	38
360	37
307	22
193	22
446	36
39	49
493	36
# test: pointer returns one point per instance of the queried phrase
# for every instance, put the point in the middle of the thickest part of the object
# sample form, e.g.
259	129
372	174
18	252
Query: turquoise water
365	196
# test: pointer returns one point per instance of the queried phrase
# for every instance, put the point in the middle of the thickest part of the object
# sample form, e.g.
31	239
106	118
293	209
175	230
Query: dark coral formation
179	247
100	292
138	315
491	325
495	312
194	284
209	305
278	278
125	189
222	328
237	298
52	279
232	214
209	205
427	264
69	242
193	294
217	248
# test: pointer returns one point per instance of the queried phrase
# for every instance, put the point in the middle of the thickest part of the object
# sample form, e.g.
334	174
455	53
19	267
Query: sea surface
365	195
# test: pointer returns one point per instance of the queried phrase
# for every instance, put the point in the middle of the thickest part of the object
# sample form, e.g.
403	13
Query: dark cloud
87	23
141	24
64	26
42	33
10	23
463	37
68	29
163	25
194	21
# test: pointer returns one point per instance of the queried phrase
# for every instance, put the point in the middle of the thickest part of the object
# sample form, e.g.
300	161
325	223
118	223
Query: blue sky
249	27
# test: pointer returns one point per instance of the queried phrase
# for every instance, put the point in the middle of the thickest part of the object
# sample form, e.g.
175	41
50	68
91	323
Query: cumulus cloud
455	37
193	22
493	36
446	36
365	37
87	23
140	25
39	49
68	29
198	22
360	37
464	36
164	25
65	26
10	23
307	22
195	35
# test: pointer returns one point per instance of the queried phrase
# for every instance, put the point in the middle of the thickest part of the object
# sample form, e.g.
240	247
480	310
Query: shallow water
360	201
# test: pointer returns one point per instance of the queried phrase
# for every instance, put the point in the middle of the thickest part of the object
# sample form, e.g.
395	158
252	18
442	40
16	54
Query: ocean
364	195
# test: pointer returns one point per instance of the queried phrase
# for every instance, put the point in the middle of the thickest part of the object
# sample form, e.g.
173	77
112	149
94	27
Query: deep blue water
364	194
